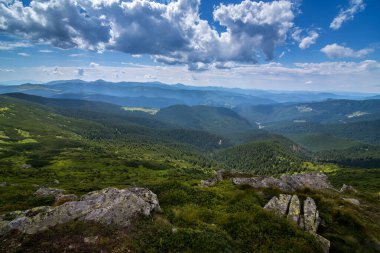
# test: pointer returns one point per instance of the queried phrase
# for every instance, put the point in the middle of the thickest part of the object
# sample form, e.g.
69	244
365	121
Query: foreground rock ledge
107	206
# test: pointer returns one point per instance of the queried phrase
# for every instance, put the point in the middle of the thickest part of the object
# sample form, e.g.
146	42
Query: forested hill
213	119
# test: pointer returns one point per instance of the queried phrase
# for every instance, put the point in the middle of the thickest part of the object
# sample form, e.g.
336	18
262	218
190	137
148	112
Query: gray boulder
315	180
262	182
209	182
213	181
49	192
108	206
347	189
288	183
323	243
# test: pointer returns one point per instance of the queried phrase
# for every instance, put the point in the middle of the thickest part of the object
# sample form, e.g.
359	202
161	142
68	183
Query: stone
311	215
209	182
323	243
279	205
353	201
212	181
26	166
262	182
49	192
294	209
107	206
315	181
347	189
3	184
289	183
90	239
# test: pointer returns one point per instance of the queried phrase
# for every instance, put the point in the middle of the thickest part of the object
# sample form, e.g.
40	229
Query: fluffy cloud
171	31
309	40
347	14
336	51
305	41
23	54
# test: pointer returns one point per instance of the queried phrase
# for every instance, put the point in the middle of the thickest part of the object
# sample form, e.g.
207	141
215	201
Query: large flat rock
107	206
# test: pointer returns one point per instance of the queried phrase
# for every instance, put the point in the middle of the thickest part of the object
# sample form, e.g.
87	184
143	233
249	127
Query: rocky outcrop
316	181
209	182
108	206
306	218
49	192
262	182
213	181
347	189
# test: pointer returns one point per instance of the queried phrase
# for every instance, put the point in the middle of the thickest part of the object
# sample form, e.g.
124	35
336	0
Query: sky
324	45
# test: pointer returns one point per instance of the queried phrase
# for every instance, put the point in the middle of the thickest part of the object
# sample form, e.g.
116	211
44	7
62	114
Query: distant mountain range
159	95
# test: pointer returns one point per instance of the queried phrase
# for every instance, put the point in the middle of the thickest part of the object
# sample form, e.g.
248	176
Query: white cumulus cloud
170	31
305	41
337	51
347	14
309	40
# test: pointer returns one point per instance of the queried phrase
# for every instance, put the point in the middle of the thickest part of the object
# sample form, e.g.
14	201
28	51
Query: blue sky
325	45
